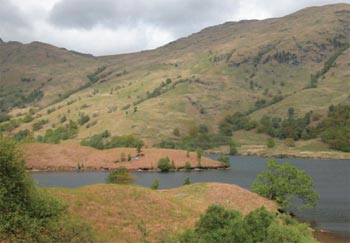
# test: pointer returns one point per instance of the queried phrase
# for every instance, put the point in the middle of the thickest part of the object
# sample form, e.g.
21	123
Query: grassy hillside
117	211
195	80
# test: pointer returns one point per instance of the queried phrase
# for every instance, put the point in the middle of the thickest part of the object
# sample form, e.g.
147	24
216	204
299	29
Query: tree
233	148
155	184
283	182
139	147
120	175
164	164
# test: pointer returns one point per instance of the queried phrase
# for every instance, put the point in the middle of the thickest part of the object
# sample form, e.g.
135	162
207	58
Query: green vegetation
68	131
270	143
224	159
155	184
198	137
29	214
39	124
218	224
105	141
83	119
186	182
164	164
23	136
283	182
336	128
120	175
328	64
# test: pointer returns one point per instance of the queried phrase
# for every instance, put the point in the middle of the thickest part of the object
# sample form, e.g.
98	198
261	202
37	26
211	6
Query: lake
331	180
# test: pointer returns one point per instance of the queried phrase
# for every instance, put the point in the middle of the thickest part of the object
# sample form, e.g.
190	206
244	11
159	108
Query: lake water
331	180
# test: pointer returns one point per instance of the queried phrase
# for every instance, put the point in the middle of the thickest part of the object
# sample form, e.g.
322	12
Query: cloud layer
103	27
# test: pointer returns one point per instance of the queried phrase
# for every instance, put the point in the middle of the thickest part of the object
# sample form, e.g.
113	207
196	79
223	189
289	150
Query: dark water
331	180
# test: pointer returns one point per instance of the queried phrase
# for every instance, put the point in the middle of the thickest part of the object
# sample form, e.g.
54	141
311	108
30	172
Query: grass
117	210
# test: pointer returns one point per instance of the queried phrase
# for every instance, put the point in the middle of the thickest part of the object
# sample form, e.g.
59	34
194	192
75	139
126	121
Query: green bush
186	181
101	141
270	143
155	184
188	165
120	175
218	224
164	164
29	214
60	133
224	159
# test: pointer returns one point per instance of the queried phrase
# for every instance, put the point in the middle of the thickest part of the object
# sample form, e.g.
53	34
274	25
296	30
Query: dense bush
120	175
198	137
336	127
218	224
29	214
164	164
61	133
104	141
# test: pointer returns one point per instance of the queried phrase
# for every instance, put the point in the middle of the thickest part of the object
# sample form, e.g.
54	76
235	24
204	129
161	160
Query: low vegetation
334	129
218	224
104	140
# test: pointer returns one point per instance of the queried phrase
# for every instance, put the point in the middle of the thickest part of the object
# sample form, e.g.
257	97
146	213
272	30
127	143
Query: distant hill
264	67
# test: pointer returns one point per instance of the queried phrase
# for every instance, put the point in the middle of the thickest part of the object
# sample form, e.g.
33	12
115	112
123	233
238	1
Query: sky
106	27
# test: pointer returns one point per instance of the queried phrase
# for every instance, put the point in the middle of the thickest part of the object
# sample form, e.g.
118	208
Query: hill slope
117	210
194	80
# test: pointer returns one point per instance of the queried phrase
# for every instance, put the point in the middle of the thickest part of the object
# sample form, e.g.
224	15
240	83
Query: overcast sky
104	27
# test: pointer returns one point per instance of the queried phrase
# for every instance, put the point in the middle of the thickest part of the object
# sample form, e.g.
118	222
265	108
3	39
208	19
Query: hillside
195	80
116	211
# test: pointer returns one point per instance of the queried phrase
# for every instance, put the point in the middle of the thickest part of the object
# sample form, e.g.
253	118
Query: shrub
119	176
270	143
186	181
155	184
233	148
27	214
83	119
164	164
289	142
218	224
188	165
224	159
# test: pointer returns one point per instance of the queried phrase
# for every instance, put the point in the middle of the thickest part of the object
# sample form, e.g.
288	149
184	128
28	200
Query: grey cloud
183	16
11	17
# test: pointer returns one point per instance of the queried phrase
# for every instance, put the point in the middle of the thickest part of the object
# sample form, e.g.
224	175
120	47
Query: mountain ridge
215	72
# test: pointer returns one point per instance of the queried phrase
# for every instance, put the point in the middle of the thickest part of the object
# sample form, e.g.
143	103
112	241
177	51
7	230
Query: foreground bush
218	224
28	214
